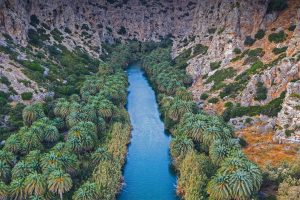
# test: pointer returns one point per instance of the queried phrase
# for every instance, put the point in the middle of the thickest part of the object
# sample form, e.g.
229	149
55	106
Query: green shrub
277	37
34	21
237	50
200	49
295	95
271	109
288	133
215	65
277	51
67	30
256	52
228	104
213	100
35	65
204	96
212	30
122	31
277	5
57	35
292	27
249	41
85	27
4	80
260	34
261	91
26	95
36	38
221	75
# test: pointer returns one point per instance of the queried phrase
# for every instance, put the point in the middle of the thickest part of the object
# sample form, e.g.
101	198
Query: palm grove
74	147
77	150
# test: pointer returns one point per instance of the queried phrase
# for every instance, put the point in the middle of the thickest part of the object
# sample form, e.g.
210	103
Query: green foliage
260	34
277	51
26	95
200	49
122	31
36	38
249	41
4	80
57	35
219	76
261	91
277	37
215	65
237	50
213	100
256	52
204	96
271	109
34	65
277	5
211	30
34	21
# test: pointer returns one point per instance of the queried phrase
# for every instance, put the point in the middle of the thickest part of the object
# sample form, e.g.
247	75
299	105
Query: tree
218	188
62	108
88	191
178	108
3	191
21	170
179	147
4	171
7	157
16	189
13	143
59	182
32	113
35	184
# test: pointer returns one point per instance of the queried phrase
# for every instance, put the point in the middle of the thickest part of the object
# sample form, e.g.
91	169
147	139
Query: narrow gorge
134	99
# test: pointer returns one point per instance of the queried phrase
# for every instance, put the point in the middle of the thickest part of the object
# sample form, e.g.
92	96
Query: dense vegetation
205	153
72	147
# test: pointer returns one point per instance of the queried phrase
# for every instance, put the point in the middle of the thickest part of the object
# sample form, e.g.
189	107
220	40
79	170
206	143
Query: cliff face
234	37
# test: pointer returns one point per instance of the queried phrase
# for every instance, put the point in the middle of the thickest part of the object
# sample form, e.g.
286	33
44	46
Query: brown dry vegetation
262	150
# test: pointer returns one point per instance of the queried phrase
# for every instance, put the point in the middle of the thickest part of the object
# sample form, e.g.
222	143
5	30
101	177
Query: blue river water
147	172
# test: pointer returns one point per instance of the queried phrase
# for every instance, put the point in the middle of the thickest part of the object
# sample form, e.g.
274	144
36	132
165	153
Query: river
147	173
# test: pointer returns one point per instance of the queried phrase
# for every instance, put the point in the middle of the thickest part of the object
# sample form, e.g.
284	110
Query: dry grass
263	150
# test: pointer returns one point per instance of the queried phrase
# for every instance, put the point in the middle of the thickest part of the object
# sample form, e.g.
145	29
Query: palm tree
21	170
59	182
4	171
51	133
240	182
219	188
105	108
255	174
179	147
62	108
13	143
88	191
16	189
100	154
50	161
3	191
7	156
37	197
32	113
35	184
218	152
30	142
183	94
